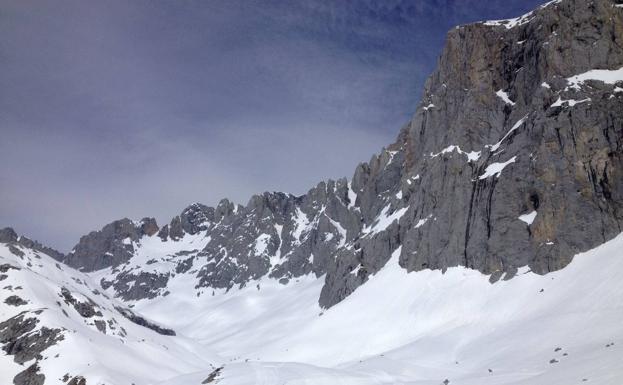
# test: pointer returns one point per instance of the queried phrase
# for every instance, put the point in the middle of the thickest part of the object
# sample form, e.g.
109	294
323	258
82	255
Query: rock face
111	245
513	158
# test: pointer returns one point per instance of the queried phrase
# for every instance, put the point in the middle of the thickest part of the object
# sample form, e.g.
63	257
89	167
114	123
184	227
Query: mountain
449	254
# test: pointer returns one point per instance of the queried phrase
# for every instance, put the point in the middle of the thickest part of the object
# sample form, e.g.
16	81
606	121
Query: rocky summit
439	259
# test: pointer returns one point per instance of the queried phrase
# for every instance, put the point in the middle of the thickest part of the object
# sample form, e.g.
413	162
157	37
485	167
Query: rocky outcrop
20	337
512	159
137	319
110	246
497	172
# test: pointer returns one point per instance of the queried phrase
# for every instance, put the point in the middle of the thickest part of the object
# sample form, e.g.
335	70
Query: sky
112	109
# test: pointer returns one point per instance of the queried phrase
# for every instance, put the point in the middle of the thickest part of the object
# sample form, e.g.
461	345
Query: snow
352	196
422	222
423	327
528	218
569	102
472	156
545	85
510	23
606	76
383	221
413	178
399	195
521	20
431	105
495	169
518	124
341	231
301	225
261	244
504	96
398	328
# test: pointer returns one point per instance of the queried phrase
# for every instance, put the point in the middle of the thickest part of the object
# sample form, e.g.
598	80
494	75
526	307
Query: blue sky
138	108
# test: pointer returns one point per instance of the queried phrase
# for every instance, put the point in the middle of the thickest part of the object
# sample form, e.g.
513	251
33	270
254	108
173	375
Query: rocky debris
20	339
30	376
137	319
85	309
212	377
15	300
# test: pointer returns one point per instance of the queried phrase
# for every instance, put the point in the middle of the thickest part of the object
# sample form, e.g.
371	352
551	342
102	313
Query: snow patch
521	121
570	102
606	76
528	218
495	169
383	221
504	96
472	156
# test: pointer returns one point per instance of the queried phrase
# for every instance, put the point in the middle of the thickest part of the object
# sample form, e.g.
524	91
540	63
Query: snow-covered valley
399	328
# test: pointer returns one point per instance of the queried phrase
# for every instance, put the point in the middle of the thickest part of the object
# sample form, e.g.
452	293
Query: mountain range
483	246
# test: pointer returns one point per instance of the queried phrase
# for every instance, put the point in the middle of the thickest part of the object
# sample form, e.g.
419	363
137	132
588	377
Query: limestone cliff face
500	99
513	158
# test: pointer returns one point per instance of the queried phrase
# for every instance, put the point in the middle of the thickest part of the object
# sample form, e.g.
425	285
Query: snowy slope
398	328
419	328
70	303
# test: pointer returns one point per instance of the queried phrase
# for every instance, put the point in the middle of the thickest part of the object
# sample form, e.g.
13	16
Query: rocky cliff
513	158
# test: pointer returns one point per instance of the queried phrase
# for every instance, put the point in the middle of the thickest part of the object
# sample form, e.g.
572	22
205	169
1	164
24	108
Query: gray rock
110	246
15	300
20	341
137	319
7	235
30	376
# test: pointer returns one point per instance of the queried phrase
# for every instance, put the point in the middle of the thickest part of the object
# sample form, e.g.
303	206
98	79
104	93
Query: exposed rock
30	376
15	300
213	376
85	309
78	380
29	243
20	339
130	286
110	246
5	267
7	235
137	319
15	251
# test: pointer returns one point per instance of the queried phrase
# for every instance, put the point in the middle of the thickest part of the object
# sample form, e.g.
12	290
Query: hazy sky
114	109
